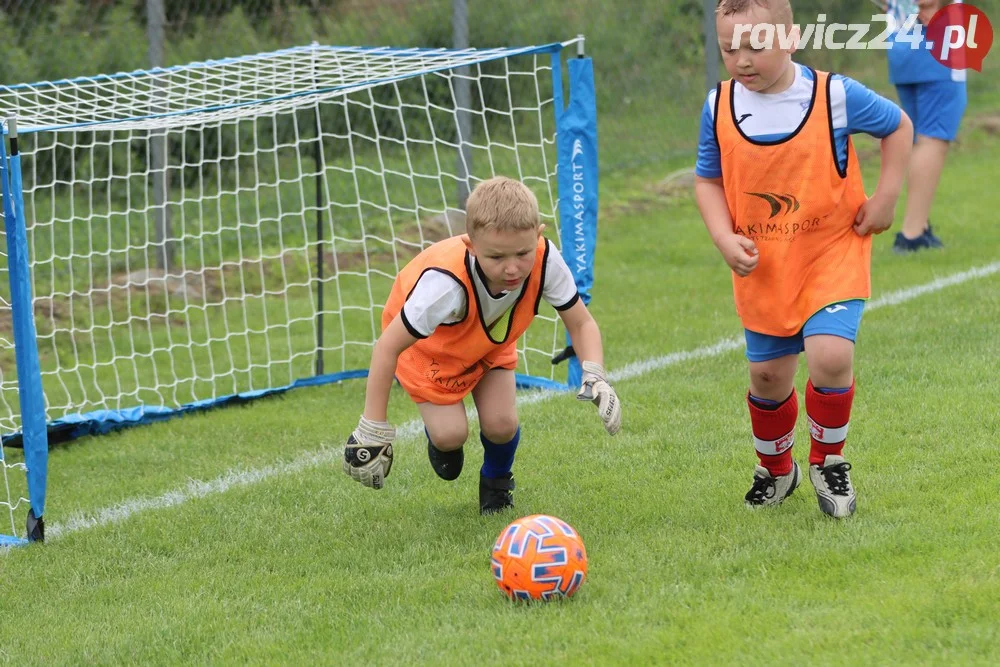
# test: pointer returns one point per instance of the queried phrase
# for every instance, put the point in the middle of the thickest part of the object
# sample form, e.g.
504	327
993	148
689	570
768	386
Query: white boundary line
236	478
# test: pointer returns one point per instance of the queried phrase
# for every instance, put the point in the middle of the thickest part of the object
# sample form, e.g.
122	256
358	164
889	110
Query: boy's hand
875	215
368	454
740	253
595	388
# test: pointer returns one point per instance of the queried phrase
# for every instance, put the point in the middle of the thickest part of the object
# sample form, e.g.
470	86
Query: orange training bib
792	199
448	364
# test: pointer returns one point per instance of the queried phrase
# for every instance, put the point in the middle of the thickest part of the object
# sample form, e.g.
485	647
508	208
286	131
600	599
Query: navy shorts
841	319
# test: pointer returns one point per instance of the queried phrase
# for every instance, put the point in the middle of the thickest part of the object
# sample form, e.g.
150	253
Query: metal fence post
155	24
463	99
711	46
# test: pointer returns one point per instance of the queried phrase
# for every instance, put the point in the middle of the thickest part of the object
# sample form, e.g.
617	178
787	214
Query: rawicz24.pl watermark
958	36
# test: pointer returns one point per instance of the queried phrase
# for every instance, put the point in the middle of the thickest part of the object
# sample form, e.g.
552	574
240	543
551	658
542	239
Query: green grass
306	566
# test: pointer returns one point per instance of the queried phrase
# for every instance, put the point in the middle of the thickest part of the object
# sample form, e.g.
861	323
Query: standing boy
934	97
780	191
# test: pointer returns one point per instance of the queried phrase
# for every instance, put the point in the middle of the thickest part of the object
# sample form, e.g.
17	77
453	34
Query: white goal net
234	226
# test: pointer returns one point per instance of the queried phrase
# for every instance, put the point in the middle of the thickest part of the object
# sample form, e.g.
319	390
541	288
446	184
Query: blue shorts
935	107
838	319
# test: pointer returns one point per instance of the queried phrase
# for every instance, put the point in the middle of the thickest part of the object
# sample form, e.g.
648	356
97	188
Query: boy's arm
368	453
711	198
586	337
584	332
388	347
867	112
876	214
896	150
739	252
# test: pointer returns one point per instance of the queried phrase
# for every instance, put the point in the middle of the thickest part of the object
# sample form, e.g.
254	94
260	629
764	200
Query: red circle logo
959	36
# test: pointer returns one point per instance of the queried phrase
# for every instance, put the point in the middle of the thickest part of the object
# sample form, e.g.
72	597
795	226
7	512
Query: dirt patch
153	291
48	312
159	282
989	123
678	184
675	186
408	242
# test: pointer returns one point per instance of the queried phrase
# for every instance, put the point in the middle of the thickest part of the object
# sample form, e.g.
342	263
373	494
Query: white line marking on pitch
236	478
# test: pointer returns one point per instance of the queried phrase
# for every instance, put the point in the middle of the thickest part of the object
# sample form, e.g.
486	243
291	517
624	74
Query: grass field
233	536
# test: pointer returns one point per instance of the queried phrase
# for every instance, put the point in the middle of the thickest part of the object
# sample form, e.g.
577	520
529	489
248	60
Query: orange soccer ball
539	557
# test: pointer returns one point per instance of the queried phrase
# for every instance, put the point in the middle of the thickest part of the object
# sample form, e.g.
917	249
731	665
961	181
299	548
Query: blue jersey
772	117
909	59
916	65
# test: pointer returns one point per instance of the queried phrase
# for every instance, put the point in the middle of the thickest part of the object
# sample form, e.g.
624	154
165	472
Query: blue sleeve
709	164
869	112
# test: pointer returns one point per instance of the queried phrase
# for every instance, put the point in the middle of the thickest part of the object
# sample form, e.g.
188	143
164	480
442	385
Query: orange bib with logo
792	199
448	364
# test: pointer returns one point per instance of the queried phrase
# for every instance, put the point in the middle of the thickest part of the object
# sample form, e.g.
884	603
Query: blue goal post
34	433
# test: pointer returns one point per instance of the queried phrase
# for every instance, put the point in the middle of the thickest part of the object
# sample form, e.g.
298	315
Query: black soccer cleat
495	493
447	465
932	239
903	245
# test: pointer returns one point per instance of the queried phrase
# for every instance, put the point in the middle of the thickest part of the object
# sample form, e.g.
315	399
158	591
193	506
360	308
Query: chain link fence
650	55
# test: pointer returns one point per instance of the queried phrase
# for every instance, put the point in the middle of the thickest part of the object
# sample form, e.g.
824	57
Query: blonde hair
501	204
781	10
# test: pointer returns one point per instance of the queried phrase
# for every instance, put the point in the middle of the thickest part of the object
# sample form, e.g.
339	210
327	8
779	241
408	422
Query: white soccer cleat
768	490
832	481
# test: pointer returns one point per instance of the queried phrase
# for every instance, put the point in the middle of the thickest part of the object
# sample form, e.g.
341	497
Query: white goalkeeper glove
368	454
595	388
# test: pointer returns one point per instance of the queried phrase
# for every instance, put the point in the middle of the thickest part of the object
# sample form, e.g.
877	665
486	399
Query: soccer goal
209	233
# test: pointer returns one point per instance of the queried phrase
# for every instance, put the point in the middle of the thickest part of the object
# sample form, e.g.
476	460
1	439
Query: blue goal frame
577	173
34	433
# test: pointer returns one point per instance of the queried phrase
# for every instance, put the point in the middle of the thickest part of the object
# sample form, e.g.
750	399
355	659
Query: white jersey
438	298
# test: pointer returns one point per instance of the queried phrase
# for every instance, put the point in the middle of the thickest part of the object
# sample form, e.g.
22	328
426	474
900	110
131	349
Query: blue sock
765	403
498	459
428	434
832	390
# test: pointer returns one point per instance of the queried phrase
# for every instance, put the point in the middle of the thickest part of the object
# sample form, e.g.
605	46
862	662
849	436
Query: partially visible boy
780	190
934	97
450	328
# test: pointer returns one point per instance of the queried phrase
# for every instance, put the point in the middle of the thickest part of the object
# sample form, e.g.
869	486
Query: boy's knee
499	428
766	378
831	363
449	438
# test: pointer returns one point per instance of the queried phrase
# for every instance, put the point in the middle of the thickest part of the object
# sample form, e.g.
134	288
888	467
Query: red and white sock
774	434
829	416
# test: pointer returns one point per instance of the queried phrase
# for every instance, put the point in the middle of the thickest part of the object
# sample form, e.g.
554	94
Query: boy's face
762	70
926	9
506	257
